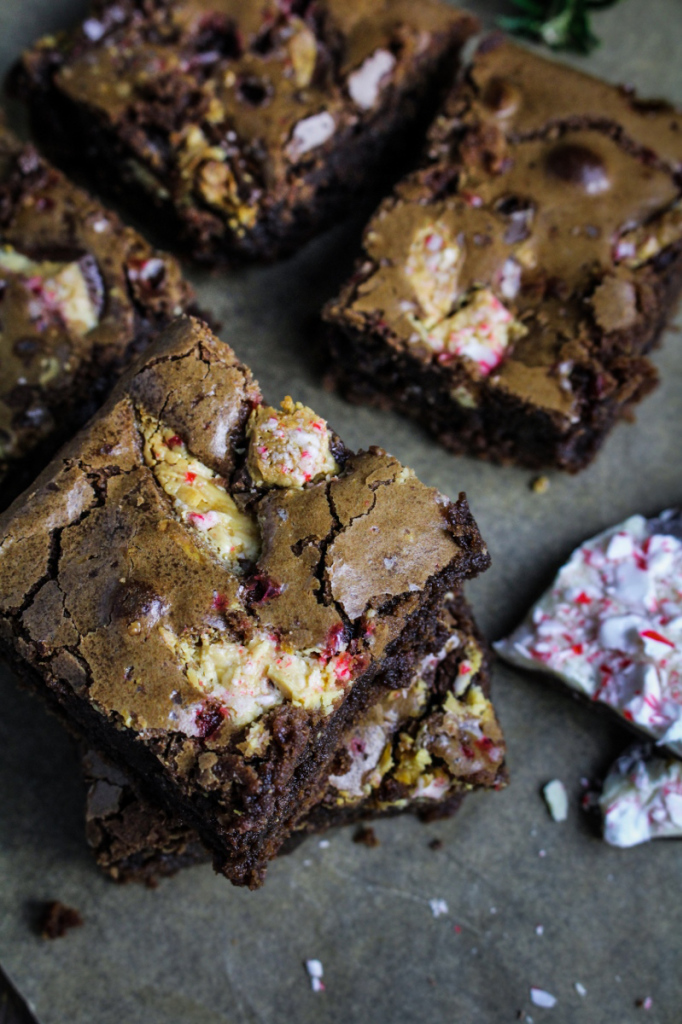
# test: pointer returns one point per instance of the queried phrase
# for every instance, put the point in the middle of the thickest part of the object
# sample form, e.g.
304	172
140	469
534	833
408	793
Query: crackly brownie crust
251	124
214	636
393	761
80	294
510	290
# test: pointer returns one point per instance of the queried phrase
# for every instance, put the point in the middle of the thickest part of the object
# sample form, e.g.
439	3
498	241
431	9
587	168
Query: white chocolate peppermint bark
610	626
642	800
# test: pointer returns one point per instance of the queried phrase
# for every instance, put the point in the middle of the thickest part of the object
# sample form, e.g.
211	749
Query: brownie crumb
57	919
436	844
366	836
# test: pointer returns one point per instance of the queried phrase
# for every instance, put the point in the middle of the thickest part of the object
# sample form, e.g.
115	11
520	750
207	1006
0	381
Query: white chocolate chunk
432	269
480	331
288	447
55	289
199	498
310	133
245	680
556	799
365	84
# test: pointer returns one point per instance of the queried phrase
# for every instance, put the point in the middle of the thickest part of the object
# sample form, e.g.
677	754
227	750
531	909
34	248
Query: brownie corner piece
212	590
509	290
80	295
251	125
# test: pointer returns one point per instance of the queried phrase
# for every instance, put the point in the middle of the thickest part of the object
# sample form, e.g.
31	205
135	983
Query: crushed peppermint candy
481	331
642	799
556	799
580	989
539	997
438	907
289	447
432	268
315	973
610	626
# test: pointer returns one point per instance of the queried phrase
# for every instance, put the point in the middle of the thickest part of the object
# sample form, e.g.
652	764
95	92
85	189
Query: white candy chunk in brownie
610	626
642	800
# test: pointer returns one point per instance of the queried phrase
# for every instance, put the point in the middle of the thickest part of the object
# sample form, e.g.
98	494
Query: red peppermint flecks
653	635
175	441
582	598
190	477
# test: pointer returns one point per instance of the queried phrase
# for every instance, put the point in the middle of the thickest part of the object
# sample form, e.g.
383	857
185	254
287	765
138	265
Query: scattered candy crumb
458	929
539	929
438	907
539	997
580	989
539	484
556	799
315	973
645	1004
436	844
324	844
542	853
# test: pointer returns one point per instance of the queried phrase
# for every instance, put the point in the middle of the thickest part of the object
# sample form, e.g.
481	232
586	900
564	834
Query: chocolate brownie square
509	291
249	125
420	749
212	591
80	294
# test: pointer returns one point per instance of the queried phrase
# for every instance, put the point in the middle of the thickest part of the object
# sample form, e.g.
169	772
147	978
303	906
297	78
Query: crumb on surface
367	836
56	919
436	844
539	484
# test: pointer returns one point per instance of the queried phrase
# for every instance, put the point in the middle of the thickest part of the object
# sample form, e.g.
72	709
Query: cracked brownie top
223	105
528	252
195	561
78	291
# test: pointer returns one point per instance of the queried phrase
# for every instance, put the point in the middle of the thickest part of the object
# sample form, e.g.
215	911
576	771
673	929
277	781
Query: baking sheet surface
529	902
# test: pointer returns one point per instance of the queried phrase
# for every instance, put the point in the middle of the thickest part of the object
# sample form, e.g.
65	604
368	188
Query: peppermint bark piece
419	750
80	295
509	291
610	626
214	634
249	125
642	799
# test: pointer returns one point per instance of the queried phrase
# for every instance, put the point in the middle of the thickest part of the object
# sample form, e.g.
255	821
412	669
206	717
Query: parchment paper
530	902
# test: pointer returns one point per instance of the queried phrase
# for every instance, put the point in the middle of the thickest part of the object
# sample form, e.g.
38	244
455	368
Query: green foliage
561	24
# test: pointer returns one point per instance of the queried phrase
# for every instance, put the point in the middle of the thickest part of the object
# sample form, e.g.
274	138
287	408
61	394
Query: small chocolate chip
501	96
578	165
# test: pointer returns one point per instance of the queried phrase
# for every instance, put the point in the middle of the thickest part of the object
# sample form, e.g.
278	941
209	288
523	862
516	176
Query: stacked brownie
248	125
510	289
214	593
418	749
80	293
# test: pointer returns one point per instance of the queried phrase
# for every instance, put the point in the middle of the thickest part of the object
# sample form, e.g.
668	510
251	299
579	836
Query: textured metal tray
530	902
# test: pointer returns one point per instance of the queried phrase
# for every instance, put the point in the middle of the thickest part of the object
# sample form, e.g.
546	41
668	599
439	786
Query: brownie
610	626
509	290
80	293
419	749
249	126
212	591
